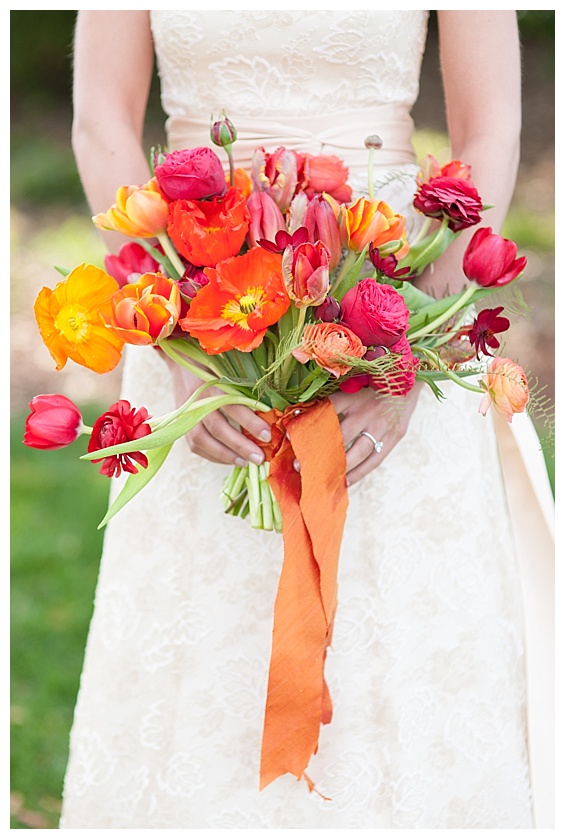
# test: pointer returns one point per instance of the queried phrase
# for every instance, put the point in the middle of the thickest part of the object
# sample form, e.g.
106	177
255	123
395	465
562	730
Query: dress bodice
317	80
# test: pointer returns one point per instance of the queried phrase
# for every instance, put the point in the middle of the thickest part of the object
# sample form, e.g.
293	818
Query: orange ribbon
313	505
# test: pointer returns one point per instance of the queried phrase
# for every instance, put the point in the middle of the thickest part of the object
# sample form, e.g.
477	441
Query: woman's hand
217	437
385	418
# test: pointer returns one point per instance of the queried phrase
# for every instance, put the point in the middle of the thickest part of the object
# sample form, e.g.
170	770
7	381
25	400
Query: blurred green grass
57	501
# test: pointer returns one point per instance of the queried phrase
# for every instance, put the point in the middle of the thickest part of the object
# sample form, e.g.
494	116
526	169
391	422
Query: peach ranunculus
147	311
506	388
328	344
138	212
367	221
208	232
245	296
70	321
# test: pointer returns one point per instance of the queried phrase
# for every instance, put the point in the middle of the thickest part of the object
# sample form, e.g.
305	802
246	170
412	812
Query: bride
435	715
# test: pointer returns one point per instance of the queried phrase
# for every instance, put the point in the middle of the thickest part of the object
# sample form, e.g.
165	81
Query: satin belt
342	134
532	510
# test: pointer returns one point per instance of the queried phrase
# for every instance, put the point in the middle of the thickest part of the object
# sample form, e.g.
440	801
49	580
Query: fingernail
265	435
296	465
239	461
257	459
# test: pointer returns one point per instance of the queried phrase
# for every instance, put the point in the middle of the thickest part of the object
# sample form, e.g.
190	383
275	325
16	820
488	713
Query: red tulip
54	422
490	260
130	263
306	273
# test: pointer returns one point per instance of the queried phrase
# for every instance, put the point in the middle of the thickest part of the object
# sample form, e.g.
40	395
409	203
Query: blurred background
57	500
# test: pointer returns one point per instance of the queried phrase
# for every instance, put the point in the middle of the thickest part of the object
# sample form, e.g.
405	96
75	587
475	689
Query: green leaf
414	298
351	277
159	257
63	271
178	427
135	483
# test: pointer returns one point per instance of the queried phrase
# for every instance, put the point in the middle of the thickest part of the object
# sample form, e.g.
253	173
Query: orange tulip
147	311
245	295
241	181
207	232
367	221
506	388
70	321
139	212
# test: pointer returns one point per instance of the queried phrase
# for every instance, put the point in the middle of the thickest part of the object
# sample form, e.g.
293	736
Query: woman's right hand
218	437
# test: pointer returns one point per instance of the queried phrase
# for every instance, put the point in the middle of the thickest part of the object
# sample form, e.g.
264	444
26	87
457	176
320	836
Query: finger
248	419
217	440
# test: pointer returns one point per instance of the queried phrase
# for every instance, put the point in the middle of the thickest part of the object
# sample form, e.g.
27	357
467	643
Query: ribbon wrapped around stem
313	504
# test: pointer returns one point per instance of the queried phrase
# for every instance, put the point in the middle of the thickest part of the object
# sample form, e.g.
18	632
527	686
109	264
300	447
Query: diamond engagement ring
377	444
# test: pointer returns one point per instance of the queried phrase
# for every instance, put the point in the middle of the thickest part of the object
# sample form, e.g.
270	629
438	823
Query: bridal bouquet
277	288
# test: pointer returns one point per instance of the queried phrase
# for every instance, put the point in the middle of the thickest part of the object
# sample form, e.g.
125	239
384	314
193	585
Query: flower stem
171	254
441	365
453	309
371	185
347	263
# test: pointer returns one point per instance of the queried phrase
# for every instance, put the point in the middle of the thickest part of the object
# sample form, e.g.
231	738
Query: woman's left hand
384	418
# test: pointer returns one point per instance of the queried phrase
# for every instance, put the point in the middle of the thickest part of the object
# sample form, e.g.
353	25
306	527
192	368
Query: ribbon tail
313	506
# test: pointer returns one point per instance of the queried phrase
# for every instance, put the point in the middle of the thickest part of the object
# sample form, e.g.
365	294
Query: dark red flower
120	424
485	325
54	422
284	239
387	265
453	198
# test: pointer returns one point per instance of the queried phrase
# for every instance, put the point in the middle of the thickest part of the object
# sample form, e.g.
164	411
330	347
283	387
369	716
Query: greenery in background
55	555
56	548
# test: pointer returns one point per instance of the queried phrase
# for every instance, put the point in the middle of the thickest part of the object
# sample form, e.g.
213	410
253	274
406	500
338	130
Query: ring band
378	445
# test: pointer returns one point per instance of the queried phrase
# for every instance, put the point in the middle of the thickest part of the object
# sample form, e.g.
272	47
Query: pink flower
506	388
120	424
306	273
397	382
328	344
54	422
191	174
276	174
453	198
321	222
490	260
376	312
266	218
130	263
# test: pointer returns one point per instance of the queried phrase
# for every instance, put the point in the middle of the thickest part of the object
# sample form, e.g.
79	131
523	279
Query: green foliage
56	504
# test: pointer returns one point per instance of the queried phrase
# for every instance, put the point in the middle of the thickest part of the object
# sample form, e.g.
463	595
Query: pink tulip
321	223
54	422
266	218
276	174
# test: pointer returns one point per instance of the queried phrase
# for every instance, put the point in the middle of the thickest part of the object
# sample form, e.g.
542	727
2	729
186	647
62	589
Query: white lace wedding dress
427	666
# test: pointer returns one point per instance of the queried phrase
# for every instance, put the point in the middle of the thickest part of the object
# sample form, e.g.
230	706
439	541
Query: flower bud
223	132
266	218
373	141
54	422
329	310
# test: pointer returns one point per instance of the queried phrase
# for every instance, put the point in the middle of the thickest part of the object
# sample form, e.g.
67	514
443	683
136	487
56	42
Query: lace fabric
426	669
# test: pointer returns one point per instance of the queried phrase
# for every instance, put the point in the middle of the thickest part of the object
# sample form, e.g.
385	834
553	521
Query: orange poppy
207	232
70	322
245	295
147	311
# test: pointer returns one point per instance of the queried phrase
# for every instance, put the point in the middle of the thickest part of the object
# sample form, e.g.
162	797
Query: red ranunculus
376	313
120	424
130	263
54	422
490	260
453	198
191	174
